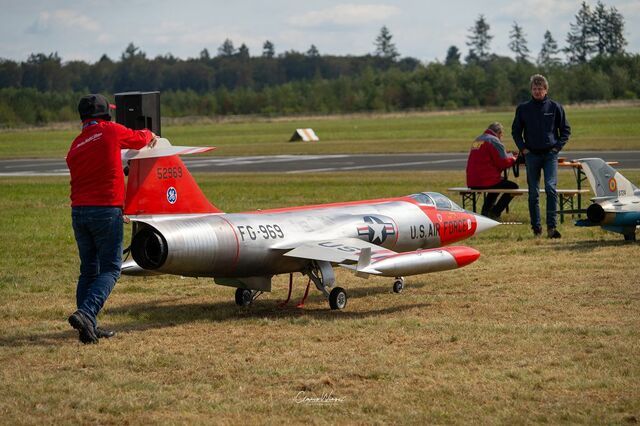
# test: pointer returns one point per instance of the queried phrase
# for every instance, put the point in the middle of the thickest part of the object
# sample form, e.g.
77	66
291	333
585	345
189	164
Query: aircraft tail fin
159	182
606	182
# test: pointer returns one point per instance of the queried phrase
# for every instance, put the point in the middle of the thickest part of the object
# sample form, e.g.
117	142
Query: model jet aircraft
176	230
616	206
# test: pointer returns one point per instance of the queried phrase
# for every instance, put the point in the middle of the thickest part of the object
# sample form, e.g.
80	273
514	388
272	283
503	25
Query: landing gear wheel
398	286
244	297
338	298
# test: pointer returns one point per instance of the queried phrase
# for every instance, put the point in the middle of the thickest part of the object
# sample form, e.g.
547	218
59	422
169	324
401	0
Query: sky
422	29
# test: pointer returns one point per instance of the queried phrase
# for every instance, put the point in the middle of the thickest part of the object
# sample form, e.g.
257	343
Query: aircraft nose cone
484	223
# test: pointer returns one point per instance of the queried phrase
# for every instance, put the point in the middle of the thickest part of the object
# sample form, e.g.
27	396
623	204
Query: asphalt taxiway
313	163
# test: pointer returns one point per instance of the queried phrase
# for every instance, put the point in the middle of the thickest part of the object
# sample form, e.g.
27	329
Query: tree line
595	67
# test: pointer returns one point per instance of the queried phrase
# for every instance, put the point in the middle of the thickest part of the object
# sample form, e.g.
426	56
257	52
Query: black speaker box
139	110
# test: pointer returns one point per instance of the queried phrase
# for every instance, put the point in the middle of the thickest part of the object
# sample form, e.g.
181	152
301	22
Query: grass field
535	331
594	128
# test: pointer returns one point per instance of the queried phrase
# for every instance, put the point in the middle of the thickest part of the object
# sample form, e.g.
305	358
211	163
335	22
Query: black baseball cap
94	106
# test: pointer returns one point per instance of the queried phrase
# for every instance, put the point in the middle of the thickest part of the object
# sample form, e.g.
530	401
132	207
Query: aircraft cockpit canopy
436	199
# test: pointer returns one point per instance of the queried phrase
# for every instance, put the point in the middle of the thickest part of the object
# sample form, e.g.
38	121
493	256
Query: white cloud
106	38
333	26
345	15
47	22
540	10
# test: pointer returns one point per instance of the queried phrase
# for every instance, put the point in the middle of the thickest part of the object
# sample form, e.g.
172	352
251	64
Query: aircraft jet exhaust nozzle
149	249
192	247
595	213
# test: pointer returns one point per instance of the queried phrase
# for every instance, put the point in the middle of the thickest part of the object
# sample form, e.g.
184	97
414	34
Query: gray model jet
616	206
176	230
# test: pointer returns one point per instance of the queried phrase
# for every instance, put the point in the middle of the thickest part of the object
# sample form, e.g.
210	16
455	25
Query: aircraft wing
337	250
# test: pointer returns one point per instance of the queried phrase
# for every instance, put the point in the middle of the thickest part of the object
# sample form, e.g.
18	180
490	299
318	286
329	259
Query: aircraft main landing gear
324	278
338	298
245	297
398	285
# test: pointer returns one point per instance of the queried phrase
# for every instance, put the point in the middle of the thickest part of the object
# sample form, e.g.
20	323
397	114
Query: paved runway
312	163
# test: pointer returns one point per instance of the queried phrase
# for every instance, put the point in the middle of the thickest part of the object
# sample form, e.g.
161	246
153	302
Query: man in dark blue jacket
540	130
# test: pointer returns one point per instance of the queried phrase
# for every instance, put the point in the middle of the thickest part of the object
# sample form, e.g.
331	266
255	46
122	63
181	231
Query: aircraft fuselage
250	244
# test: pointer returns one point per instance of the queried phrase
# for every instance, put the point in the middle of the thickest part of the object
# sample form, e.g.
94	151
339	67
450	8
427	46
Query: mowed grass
535	331
594	128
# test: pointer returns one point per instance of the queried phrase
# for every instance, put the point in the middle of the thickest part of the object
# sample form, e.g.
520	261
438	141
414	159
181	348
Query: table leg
579	178
565	201
465	198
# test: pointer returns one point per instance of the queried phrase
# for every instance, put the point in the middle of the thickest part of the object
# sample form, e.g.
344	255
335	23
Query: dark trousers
536	165
490	206
98	232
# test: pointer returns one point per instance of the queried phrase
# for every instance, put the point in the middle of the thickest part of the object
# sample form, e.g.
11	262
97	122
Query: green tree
479	40
243	51
10	73
204	54
608	30
102	74
385	48
132	52
453	56
599	20
268	50
45	72
136	72
226	48
547	56
518	43
580	39
313	52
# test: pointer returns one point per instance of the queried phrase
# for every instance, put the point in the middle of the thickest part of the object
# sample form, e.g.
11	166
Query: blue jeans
99	232
537	163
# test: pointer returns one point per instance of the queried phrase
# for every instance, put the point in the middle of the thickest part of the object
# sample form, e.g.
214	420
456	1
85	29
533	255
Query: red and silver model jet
176	230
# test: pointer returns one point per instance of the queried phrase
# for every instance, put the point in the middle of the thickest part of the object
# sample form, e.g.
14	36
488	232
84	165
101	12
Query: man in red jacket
97	199
487	159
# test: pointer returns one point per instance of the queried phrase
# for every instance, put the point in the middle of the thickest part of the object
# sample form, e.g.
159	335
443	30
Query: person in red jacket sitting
97	199
487	160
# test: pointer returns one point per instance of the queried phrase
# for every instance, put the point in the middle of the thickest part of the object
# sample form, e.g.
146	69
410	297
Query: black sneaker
537	231
103	333
80	322
553	233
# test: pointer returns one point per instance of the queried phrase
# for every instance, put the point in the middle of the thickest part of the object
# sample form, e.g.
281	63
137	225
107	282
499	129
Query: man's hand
152	142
